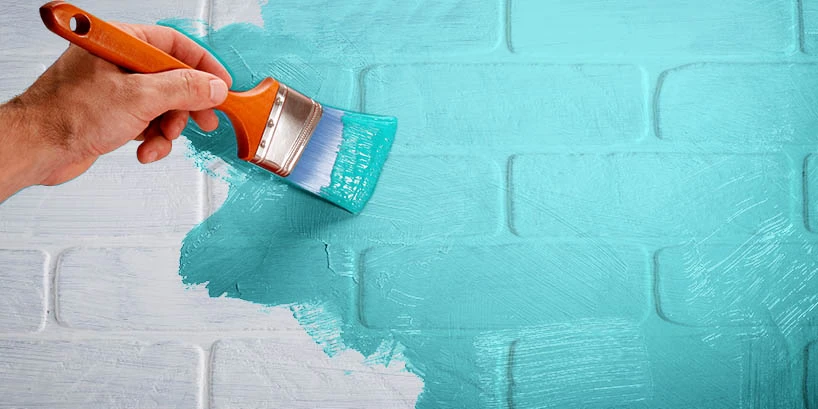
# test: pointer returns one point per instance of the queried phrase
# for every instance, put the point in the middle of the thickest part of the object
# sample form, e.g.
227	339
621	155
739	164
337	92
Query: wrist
23	158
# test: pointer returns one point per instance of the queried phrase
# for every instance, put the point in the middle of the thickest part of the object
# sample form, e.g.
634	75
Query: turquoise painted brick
452	196
585	364
763	281
488	287
271	269
363	29
328	84
647	195
635	27
695	368
742	105
331	84
811	192
501	104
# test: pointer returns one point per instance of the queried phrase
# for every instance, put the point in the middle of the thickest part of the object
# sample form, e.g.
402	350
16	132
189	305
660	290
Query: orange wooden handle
105	40
248	110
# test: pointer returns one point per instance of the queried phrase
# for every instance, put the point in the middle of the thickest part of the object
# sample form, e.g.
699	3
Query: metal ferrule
291	123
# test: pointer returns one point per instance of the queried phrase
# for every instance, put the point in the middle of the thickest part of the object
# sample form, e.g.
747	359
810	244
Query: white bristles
314	168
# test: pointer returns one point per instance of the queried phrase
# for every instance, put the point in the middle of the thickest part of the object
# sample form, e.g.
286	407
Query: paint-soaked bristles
312	173
344	157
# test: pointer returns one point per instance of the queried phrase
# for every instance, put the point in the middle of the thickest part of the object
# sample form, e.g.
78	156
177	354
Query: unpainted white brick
99	374
283	373
22	293
140	289
118	196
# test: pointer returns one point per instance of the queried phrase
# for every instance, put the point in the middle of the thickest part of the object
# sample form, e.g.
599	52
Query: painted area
643	26
614	207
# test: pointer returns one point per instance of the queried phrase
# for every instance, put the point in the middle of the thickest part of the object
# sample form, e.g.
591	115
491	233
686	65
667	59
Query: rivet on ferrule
292	121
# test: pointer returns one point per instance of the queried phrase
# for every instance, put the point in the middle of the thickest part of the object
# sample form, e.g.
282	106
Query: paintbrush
335	154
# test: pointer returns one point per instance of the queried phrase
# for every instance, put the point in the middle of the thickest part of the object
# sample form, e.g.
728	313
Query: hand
83	107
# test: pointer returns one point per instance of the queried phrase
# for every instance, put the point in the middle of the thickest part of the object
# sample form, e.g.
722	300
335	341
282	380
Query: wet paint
566	226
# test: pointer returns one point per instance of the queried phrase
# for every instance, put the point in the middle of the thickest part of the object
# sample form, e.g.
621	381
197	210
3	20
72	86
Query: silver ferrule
289	127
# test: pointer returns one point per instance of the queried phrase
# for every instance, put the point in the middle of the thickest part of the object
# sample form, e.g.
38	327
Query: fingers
179	46
155	146
159	135
192	54
172	123
182	90
207	119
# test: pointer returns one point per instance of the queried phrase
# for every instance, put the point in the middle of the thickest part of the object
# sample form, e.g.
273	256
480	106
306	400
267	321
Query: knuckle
193	85
136	92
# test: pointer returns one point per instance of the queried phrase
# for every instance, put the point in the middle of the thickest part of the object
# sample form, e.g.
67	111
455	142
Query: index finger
179	46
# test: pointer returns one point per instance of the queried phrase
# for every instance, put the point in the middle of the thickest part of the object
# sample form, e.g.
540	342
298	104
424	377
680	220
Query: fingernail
218	91
151	156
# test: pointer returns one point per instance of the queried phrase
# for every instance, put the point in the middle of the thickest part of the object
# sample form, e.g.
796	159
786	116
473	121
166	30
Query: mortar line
800	31
505	24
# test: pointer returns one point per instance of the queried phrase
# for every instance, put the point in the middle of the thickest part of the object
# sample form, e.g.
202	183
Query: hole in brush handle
80	24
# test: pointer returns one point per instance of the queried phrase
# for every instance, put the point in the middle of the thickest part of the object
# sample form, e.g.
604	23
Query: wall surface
588	204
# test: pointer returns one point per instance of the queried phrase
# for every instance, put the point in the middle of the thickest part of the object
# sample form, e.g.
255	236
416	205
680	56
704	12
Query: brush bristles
343	159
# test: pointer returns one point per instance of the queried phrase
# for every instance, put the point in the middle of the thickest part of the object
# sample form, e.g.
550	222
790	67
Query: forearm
20	157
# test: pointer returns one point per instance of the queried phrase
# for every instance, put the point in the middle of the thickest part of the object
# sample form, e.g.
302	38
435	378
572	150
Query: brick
91	374
739	105
140	289
22	293
763	281
726	369
647	195
452	196
593	27
161	198
616	363
37	40
811	192
285	372
499	105
359	30
588	364
415	288
269	269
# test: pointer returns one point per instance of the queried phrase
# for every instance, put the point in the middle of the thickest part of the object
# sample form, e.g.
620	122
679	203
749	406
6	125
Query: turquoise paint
642	27
365	145
596	219
404	91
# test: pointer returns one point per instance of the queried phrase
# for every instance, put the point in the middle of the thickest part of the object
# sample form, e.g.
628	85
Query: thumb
183	90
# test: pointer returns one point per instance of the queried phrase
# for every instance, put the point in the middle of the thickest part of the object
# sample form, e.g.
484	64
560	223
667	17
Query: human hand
83	107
